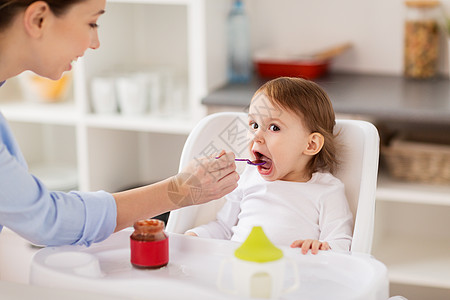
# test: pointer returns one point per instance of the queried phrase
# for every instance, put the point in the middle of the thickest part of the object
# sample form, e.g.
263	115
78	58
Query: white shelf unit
63	113
113	152
411	235
116	152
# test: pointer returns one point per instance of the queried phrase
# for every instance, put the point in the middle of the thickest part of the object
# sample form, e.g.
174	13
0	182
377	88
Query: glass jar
421	50
149	244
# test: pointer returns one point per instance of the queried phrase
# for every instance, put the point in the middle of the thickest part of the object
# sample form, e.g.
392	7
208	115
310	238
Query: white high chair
358	170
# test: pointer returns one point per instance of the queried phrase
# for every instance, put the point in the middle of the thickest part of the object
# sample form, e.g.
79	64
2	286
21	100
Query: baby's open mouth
262	157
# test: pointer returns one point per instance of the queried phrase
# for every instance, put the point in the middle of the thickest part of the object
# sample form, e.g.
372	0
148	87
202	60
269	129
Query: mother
46	37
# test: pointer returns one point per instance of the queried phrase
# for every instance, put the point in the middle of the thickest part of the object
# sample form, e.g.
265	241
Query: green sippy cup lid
258	248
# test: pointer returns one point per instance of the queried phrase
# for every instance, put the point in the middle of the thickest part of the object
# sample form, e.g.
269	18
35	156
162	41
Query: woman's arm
201	181
56	218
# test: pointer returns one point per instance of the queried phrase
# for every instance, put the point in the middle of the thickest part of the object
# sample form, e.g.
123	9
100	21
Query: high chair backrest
358	169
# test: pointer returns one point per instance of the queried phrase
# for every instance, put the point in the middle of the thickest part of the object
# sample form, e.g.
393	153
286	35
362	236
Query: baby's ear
315	143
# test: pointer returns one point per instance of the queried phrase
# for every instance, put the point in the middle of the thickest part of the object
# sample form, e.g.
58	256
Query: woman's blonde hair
310	102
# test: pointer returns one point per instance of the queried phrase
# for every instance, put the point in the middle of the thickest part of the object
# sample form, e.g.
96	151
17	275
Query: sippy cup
258	268
149	245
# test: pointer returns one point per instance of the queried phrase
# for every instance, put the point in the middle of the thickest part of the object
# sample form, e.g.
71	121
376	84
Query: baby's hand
314	245
190	233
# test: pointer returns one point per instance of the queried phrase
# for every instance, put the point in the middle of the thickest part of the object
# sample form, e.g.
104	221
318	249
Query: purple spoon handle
256	162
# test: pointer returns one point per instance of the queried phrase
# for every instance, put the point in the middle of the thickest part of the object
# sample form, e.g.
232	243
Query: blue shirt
46	217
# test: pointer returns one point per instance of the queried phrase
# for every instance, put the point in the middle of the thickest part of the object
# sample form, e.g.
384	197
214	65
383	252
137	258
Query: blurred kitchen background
121	117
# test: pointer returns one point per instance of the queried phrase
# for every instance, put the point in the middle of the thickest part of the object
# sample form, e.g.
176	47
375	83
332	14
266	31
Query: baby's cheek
250	146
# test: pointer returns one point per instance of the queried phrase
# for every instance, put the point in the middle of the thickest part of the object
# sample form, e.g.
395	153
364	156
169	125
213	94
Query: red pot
306	69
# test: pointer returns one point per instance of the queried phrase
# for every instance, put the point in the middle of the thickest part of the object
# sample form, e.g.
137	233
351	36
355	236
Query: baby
293	196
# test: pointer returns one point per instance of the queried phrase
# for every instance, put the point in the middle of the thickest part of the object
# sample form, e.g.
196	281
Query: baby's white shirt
287	211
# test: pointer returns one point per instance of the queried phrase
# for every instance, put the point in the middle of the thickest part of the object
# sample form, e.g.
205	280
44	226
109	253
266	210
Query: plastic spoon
256	162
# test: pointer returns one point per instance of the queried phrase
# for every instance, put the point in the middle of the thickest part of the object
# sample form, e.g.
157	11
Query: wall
374	27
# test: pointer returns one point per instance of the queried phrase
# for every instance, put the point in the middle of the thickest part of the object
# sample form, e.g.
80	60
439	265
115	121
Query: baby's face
278	137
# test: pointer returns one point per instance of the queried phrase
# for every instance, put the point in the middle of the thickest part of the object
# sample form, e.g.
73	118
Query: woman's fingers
206	179
225	185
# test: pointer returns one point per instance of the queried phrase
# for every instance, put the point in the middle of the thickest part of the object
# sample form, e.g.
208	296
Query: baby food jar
149	245
421	50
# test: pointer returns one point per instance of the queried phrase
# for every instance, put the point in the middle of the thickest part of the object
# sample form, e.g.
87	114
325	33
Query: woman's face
278	137
67	37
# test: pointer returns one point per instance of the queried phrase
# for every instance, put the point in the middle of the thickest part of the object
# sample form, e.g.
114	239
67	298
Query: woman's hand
204	179
314	245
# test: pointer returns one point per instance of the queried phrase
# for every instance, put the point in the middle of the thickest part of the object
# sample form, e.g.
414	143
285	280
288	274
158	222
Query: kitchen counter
382	97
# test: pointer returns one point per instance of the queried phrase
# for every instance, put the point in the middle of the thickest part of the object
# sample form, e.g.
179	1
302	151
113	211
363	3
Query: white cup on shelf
132	94
103	95
152	82
174	92
179	98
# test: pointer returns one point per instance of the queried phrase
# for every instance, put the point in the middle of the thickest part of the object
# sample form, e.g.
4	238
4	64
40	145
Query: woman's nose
95	42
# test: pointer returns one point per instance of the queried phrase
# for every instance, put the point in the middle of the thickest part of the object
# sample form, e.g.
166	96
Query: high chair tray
193	271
